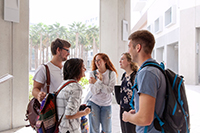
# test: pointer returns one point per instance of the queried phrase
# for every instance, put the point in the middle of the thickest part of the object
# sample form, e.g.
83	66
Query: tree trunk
43	55
76	49
47	52
36	57
30	55
81	51
94	47
40	60
47	49
85	57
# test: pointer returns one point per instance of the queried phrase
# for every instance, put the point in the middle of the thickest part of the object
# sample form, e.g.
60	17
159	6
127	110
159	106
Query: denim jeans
100	115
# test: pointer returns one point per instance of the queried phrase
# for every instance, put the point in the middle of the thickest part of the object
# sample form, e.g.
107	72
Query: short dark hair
59	43
72	69
144	38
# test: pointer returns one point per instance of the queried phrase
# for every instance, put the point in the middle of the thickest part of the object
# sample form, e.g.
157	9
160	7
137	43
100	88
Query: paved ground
193	94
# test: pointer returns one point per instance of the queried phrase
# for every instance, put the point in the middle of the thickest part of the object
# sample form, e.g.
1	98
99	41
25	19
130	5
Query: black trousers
126	127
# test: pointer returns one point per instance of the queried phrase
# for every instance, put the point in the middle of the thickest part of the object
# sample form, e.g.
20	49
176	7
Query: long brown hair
108	64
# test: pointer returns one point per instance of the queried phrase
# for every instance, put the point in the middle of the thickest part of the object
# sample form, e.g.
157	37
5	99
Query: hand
125	116
132	111
41	96
87	111
92	80
99	76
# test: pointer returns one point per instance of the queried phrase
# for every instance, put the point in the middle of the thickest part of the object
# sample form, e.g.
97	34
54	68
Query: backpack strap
48	77
59	121
161	68
72	81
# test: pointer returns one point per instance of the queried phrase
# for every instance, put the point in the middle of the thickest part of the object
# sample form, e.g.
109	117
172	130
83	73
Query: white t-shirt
56	77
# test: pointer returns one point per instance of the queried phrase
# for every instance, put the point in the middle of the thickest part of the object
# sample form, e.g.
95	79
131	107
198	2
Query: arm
74	92
79	114
36	92
94	86
110	87
145	114
38	83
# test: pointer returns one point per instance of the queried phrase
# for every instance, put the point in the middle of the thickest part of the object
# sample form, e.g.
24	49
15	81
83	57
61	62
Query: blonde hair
134	66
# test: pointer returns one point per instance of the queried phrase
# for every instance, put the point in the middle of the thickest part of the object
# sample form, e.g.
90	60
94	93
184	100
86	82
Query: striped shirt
68	102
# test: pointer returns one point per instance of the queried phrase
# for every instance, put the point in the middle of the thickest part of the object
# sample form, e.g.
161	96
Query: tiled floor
193	94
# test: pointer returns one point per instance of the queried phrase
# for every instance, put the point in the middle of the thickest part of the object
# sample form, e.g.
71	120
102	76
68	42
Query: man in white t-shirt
60	51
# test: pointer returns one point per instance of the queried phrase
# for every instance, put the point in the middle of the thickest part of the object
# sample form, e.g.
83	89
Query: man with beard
60	51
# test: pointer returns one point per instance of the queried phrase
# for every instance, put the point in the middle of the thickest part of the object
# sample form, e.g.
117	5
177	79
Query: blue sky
62	11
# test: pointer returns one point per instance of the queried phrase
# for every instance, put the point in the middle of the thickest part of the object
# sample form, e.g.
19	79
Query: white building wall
112	12
176	42
14	43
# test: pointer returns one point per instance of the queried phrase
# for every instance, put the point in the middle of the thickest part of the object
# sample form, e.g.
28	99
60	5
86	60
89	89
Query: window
170	16
150	28
158	25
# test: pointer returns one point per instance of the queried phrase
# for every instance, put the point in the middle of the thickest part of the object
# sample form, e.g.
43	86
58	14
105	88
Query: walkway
193	94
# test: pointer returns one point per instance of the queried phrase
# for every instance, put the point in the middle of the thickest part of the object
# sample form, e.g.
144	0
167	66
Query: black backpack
175	118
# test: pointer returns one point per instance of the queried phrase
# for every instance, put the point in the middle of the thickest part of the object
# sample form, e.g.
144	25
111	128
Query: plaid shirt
68	102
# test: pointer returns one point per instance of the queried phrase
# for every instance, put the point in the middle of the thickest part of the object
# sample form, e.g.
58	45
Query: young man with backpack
151	84
60	52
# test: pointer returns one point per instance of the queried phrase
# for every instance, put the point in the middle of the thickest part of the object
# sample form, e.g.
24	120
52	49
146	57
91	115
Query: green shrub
30	86
84	81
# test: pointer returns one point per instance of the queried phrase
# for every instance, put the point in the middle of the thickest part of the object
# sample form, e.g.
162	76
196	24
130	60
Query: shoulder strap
48	77
64	86
155	64
109	73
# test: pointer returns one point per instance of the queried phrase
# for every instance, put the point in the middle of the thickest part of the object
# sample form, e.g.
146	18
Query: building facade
175	25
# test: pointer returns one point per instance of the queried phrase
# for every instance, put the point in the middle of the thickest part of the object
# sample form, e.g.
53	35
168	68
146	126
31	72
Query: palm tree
58	31
34	42
93	36
47	40
77	28
41	30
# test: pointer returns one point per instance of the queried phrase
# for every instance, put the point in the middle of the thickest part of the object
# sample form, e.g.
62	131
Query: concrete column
112	12
14	44
187	64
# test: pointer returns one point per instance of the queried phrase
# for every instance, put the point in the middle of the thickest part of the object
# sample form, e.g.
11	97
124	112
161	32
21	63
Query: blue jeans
100	115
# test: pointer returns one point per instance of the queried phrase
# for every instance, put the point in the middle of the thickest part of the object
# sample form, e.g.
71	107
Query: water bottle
84	125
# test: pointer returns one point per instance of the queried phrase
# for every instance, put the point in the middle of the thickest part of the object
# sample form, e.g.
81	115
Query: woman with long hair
126	92
101	83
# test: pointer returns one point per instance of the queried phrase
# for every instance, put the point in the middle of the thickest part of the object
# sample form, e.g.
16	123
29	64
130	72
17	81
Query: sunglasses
63	48
66	50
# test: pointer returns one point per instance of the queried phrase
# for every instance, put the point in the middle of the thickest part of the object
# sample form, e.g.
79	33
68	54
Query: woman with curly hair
126	92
